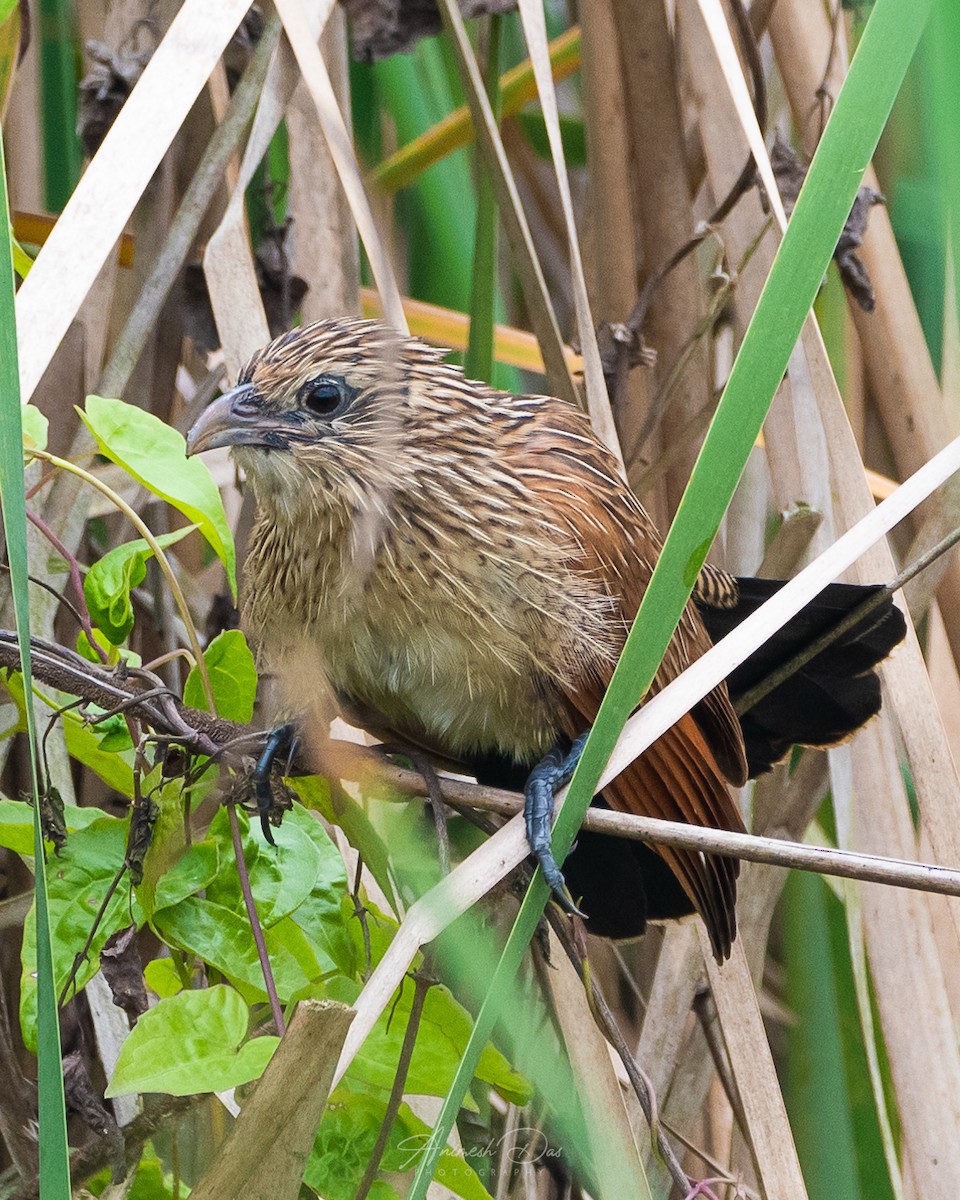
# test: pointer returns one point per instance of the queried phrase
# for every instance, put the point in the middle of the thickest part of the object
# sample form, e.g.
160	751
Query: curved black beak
236	420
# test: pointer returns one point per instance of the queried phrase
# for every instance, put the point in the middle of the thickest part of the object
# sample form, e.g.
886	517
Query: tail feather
830	697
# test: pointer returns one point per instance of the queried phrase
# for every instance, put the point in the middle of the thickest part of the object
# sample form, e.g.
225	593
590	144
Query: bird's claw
553	772
279	740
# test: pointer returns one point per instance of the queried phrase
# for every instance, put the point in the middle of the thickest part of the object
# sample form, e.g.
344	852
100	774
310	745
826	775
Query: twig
255	926
81	611
80	957
360	912
777	852
58	596
211	736
158	553
853	617
93	1157
421	985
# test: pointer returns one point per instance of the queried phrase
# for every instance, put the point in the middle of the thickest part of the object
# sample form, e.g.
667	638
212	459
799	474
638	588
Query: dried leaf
87	1103
379	28
790	173
123	971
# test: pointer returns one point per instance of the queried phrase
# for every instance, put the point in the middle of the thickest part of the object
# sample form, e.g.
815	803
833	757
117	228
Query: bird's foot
553	772
280	741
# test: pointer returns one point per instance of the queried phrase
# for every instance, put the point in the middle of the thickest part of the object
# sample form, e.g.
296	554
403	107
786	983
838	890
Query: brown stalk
902	379
421	985
664	213
612	261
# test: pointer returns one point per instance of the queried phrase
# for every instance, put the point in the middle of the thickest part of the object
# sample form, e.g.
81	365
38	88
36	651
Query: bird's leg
281	740
421	763
553	772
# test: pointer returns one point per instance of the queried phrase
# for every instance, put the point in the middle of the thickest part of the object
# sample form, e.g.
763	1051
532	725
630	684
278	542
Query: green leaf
112	734
114	767
441	1037
155	455
341	809
233	677
572	131
326	914
22	262
223	939
108	583
192	872
343	1145
303	877
35	428
16	824
79	879
281	876
160	976
167	840
346	1138
191	1042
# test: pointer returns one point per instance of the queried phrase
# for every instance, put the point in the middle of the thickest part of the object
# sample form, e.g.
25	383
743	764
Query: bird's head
325	415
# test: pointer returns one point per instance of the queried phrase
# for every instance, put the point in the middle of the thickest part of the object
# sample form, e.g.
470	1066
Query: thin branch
421	985
255	926
52	591
777	852
158	553
853	617
81	611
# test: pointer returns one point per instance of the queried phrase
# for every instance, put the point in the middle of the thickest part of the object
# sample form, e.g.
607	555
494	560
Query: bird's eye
322	396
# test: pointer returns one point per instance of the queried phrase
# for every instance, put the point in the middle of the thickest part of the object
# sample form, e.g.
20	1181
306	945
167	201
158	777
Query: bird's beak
235	420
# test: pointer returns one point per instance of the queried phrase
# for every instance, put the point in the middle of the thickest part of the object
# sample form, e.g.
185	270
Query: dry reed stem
793	439
887	797
116	178
598	402
302	35
675	1052
665	217
609	212
325	251
902	378
767	1127
523	253
264	1154
613	1143
228	264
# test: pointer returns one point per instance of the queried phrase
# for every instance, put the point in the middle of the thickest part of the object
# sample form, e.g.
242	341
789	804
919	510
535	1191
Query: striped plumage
466	563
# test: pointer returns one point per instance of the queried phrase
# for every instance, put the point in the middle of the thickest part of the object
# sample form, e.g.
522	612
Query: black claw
279	740
552	773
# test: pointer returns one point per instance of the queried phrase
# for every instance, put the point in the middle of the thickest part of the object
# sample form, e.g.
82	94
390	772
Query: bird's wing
685	775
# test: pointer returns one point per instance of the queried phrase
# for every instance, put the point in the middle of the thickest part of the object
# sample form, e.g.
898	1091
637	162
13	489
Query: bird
465	565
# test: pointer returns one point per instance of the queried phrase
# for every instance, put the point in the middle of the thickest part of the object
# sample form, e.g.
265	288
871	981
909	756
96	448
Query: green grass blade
944	44
478	362
440	205
816	1087
62	158
54	1162
849	140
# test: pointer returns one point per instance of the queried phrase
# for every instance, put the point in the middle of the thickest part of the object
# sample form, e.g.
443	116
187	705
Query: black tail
832	695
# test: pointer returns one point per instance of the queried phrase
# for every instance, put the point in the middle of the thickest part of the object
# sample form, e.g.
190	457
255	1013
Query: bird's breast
469	648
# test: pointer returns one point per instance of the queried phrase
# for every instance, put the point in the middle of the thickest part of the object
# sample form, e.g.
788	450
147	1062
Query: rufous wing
685	775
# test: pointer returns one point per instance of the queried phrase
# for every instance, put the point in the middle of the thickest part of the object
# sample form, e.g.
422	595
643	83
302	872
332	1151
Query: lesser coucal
468	562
